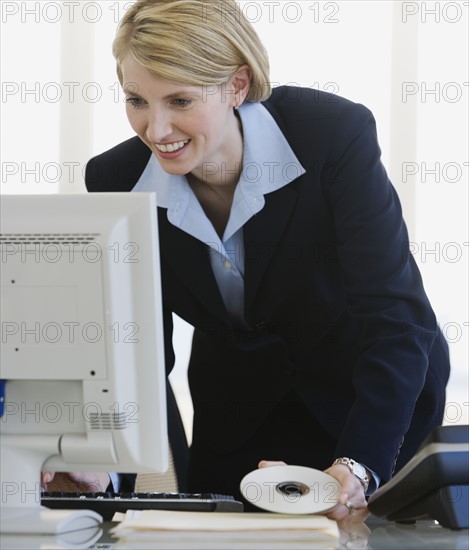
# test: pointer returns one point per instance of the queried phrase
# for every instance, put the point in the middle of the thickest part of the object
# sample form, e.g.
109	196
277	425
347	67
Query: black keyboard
107	504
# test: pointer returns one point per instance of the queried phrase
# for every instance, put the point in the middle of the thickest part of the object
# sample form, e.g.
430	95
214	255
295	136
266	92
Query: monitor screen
82	353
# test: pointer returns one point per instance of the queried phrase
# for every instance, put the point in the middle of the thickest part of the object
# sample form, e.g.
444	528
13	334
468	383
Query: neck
216	200
223	189
223	173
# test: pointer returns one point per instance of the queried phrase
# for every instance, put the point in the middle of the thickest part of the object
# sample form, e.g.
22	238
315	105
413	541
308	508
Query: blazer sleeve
385	293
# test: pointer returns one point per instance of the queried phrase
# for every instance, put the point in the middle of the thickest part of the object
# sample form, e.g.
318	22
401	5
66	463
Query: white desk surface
374	534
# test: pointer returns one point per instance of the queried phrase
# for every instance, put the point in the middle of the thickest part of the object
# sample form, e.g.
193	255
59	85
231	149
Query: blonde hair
193	42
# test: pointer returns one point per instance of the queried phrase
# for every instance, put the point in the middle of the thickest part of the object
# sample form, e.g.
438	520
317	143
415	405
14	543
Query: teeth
171	147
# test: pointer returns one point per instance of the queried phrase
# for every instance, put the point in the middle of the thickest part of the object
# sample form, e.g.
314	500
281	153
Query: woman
282	243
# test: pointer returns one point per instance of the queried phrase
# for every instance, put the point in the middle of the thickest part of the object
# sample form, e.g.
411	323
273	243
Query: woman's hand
80	482
267	463
352	505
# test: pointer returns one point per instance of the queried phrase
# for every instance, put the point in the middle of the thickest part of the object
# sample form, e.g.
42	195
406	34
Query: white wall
407	61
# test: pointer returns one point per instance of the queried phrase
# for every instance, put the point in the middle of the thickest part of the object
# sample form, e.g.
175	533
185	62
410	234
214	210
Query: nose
159	126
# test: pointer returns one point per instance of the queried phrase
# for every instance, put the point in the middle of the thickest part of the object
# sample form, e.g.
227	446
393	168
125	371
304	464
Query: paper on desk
146	524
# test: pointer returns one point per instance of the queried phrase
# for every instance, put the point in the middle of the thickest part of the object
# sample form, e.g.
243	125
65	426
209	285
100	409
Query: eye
136	102
181	102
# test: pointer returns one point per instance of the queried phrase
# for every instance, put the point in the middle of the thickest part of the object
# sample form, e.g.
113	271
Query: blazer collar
190	263
188	257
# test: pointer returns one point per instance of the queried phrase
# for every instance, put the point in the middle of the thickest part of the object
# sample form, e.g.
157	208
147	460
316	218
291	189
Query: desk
421	535
375	534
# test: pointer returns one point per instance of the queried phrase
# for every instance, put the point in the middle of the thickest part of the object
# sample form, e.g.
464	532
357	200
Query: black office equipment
433	484
107	504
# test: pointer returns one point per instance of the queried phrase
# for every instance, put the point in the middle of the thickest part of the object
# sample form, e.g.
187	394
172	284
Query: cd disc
291	490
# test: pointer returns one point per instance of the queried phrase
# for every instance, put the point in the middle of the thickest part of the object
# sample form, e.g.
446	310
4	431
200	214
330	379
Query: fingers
89	482
352	510
268	463
352	505
346	511
46	477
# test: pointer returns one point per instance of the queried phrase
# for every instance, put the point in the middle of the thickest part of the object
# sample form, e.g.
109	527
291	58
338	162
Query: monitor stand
21	460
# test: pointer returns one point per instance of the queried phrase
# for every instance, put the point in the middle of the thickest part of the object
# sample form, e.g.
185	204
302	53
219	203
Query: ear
241	82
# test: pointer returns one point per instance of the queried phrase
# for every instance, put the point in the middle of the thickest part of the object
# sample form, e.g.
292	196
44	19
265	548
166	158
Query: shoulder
313	120
119	168
297	103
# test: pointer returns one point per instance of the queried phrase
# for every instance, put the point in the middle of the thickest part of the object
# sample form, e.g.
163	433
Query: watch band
354	466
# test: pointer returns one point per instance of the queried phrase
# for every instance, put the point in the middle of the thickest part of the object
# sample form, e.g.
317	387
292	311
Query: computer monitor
82	348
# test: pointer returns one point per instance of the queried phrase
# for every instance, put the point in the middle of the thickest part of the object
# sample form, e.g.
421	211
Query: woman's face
188	128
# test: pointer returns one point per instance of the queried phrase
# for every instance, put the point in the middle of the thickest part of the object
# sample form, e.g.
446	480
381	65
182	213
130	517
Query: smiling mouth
171	147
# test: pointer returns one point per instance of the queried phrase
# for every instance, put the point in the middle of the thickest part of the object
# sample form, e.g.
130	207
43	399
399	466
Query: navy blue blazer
336	305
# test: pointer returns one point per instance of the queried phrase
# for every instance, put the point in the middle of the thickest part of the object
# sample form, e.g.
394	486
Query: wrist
357	469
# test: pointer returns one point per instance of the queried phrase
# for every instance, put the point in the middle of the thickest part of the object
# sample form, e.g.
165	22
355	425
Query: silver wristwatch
356	468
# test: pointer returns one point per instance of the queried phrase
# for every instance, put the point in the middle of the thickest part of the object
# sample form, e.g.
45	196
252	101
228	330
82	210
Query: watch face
359	470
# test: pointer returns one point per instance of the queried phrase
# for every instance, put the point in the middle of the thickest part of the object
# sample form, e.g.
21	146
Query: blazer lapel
262	233
188	258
